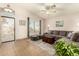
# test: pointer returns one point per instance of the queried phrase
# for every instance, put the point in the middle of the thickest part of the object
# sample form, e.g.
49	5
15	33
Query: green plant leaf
66	49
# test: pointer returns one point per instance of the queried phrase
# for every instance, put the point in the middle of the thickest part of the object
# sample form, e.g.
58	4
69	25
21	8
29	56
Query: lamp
48	27
77	24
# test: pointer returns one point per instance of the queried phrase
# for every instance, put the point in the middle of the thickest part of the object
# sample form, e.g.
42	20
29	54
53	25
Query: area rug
45	46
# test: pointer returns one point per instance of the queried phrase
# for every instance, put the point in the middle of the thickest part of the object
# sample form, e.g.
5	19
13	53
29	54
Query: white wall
21	31
70	23
21	13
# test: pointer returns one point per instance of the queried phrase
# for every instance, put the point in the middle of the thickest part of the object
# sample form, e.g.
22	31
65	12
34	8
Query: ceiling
61	9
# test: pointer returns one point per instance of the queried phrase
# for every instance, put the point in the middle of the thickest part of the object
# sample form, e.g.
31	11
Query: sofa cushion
75	37
56	32
62	33
69	35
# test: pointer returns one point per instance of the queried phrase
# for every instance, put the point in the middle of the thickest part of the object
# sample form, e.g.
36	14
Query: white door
7	29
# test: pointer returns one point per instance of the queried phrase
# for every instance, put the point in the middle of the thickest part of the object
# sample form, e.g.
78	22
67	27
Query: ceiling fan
49	8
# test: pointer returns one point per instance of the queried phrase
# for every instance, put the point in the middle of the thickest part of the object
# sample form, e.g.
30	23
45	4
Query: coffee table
50	38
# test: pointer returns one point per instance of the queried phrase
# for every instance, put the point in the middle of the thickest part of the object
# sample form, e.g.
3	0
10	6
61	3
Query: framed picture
59	23
22	22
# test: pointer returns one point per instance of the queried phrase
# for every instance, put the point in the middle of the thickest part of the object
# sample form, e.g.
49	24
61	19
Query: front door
7	29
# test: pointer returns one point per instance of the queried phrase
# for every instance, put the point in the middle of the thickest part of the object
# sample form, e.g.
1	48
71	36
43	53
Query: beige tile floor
21	48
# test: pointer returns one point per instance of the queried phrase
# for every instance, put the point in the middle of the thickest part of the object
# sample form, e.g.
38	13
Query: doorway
7	29
34	27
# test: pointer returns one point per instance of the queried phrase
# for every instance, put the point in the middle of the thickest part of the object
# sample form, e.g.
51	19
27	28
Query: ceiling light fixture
49	8
8	9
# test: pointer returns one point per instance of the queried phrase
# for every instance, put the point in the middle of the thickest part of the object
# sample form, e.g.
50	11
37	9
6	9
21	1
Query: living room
38	29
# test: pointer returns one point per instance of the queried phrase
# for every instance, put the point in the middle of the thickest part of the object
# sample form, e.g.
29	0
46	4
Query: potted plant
64	48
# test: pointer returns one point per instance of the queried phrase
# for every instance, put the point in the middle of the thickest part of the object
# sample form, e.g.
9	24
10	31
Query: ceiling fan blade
60	9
